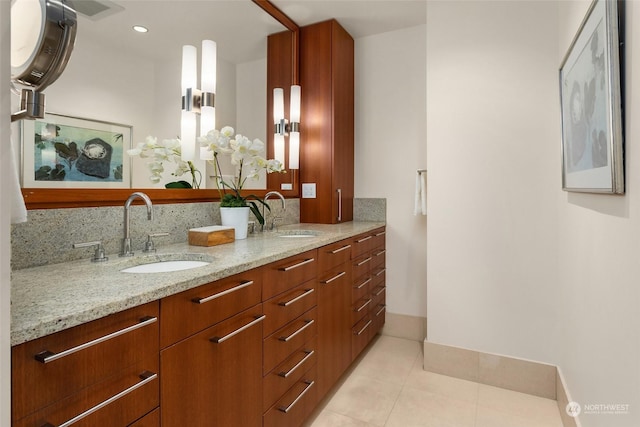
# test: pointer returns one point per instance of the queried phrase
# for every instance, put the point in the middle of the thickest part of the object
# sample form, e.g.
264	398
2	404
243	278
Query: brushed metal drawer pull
344	248
146	377
381	290
381	310
49	356
307	324
364	239
380	272
223	293
337	276
292	404
364	261
299	297
300	363
361	285
364	328
219	340
381	252
364	305
300	264
382	233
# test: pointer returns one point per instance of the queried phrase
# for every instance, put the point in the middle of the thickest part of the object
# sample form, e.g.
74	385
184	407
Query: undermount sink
166	266
298	233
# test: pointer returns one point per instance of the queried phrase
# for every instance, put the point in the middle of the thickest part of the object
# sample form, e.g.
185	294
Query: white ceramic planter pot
237	218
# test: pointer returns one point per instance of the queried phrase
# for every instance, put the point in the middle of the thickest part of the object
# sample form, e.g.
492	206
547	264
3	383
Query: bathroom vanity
257	337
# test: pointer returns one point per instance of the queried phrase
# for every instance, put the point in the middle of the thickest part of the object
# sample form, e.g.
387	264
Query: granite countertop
55	297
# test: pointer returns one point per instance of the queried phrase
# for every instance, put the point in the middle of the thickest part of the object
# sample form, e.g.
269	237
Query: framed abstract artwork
591	104
69	152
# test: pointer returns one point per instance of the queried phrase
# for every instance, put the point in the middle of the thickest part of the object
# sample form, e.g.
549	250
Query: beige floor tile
441	384
390	360
487	417
365	399
519	404
331	419
426	409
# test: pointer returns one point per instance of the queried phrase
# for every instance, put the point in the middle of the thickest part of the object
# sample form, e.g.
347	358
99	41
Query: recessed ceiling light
140	28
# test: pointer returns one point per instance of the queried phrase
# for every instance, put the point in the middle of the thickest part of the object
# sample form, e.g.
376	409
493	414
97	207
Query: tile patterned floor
388	387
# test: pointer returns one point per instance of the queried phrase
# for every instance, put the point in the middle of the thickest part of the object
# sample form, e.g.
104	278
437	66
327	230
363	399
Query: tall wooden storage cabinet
327	128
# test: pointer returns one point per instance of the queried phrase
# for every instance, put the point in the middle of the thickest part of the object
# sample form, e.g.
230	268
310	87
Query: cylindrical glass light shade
294	150
188	135
278	146
208	85
278	105
189	68
294	112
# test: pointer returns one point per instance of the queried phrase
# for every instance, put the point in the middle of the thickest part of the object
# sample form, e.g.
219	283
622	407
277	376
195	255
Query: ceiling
238	26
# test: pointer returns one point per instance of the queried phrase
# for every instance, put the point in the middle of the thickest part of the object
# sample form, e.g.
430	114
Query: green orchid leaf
256	212
178	184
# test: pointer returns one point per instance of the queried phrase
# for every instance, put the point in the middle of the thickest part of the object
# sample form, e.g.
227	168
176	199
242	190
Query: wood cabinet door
214	378
334	326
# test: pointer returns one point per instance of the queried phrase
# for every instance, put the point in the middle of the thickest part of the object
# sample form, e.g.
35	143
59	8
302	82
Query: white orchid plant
242	151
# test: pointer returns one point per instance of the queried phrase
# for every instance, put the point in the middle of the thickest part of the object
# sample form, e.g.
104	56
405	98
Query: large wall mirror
121	76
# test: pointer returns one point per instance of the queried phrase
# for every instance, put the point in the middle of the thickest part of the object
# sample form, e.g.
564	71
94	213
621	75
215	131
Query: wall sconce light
197	101
282	127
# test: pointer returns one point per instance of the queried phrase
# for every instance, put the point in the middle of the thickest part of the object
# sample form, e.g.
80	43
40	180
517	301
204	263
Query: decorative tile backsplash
49	234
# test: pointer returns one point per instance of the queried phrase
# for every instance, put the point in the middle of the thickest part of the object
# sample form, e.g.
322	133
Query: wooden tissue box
211	236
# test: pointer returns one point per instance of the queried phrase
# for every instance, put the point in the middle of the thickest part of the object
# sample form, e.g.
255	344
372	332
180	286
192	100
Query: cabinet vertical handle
307	324
381	252
146	377
49	356
223	293
364	239
299	297
219	340
337	276
381	290
299	264
380	272
381	309
309	353
339	190
364	261
292	404
382	233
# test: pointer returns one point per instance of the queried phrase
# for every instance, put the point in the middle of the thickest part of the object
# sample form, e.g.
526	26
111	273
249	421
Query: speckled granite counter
54	297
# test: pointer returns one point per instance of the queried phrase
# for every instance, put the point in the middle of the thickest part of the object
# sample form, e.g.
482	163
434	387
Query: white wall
515	265
390	145
5	235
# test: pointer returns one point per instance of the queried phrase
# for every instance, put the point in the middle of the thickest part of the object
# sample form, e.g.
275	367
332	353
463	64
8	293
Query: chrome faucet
266	197
126	241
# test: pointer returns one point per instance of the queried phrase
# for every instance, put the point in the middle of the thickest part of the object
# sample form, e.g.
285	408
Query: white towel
420	205
18	209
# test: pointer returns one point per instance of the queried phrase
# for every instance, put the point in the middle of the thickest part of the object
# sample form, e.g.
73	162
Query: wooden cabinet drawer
117	401
361	288
361	308
285	307
361	266
191	311
378	276
362	244
378	258
331	256
361	335
378	294
59	365
152	419
214	378
295	406
287	339
289	272
378	240
378	316
286	374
